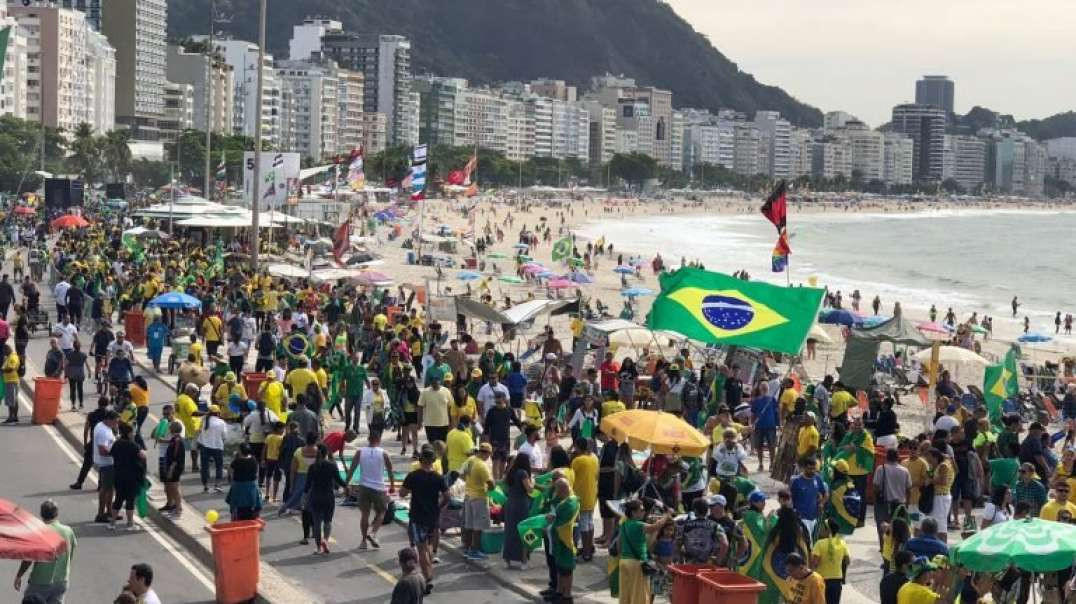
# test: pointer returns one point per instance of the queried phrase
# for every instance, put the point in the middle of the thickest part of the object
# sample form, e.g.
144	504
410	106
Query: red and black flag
776	207
342	239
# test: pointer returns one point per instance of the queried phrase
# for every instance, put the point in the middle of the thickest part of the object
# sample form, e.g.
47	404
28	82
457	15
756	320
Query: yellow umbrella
660	432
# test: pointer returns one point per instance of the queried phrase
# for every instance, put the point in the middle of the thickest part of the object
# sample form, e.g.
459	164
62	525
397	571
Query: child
664	546
532	410
271	460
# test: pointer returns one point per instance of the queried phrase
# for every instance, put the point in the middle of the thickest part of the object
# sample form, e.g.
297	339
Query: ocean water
970	260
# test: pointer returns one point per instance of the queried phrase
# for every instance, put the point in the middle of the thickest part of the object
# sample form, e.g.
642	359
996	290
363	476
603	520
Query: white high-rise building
137	30
776	135
193	68
306	37
571	130
243	57
748	149
965	161
898	159
867	149
310	109
602	132
385	63
800	146
13	84
831	157
835	120
178	111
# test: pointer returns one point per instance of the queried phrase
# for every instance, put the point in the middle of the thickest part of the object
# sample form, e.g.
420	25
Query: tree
150	174
950	185
117	153
634	168
85	159
20	154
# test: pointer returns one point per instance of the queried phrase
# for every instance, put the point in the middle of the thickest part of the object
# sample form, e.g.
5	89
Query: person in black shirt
322	479
74	304
244	496
92	419
7	296
733	389
292	443
497	425
130	466
428	493
892	582
608	487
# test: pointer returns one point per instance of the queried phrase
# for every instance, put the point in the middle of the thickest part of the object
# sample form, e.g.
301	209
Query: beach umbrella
176	300
1030	544
872	320
560	284
660	432
579	277
933	327
952	354
545	274
24	536
624	270
838	316
1033	337
468	275
24	211
70	221
817	333
373	278
496	255
633	292
510	279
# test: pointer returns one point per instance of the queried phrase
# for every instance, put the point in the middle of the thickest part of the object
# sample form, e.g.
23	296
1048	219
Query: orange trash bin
236	559
252	380
728	588
685	581
47	393
134	327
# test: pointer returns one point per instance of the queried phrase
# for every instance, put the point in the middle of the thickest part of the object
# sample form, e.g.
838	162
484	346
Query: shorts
515	400
605	511
500	451
765	436
125	498
418	533
565	572
475	514
410	418
190	444
434	433
272	470
106	477
371	498
585	521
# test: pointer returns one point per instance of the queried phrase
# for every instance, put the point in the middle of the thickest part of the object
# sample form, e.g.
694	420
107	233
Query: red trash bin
236	559
685	581
252	380
728	588
47	393
134	327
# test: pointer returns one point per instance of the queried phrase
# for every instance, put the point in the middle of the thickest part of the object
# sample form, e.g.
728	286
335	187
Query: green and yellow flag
719	309
1000	382
562	249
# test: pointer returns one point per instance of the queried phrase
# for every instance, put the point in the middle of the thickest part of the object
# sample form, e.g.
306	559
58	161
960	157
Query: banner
277	170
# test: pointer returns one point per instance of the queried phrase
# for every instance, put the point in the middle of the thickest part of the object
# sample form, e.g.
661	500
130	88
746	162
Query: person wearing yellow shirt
459	445
808	440
478	479
213	333
139	391
807	586
274	442
919	472
196	349
272	393
788	399
829	558
11	384
1059	505
300	378
187	414
464	405
918	588
321	374
585	468
223	394
577	325
840	403
380	321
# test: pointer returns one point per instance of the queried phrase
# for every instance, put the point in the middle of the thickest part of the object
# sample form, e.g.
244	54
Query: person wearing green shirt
355	378
1004	470
49	579
564	511
634	587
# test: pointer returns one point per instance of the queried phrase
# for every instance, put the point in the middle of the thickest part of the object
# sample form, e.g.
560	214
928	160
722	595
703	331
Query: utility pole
210	54
255	200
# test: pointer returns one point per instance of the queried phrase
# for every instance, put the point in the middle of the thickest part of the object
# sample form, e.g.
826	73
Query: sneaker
111	526
437	559
101	519
429	588
217	489
133	528
75	486
164	509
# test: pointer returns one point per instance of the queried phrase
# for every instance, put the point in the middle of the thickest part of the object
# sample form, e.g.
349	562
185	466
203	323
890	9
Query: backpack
699	538
266	345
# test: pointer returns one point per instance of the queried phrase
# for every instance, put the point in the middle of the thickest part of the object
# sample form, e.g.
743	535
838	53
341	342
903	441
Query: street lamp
255	199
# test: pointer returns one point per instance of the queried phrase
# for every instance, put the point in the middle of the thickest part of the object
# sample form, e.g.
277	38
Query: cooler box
492	541
251	382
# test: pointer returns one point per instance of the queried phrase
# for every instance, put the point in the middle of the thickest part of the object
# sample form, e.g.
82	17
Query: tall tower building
136	29
92	8
385	63
925	125
936	91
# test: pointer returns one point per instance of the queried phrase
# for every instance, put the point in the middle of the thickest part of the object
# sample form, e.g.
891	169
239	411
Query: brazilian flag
1000	383
532	530
842	506
562	249
773	573
719	309
756	530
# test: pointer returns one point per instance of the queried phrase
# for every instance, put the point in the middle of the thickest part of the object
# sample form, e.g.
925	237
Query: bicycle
100	374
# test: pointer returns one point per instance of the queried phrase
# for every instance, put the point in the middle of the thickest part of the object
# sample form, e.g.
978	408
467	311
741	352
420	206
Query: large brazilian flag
719	309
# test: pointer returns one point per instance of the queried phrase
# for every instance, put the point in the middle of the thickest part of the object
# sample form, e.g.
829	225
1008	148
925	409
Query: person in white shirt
532	449
373	464
488	393
103	438
211	445
59	293
66	332
139	584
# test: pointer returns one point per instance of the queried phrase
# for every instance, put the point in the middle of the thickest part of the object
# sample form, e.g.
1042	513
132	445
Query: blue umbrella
579	277
178	300
632	292
468	276
1034	336
627	270
873	320
546	274
839	317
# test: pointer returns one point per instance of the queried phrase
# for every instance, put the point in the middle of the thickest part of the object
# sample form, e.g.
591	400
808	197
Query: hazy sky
863	56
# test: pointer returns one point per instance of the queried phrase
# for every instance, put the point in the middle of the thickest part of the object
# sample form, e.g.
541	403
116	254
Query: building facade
935	91
306	37
178	111
776	138
137	30
13	85
965	161
925	125
375	135
193	68
247	117
898	159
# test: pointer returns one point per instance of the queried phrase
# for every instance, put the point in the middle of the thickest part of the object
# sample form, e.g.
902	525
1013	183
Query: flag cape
719	309
863	454
756	529
341	239
355	176
562	249
1000	382
841	507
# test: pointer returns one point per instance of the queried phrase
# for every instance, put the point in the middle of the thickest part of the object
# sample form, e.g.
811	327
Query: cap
756	496
449	378
841	466
214	409
811	416
229	377
486	447
921	565
476	372
716	500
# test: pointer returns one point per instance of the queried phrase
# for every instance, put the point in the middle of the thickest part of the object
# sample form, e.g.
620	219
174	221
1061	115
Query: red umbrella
25	210
70	221
24	536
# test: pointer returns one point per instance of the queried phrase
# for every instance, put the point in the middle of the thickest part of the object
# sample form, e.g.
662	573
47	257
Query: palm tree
117	153
85	156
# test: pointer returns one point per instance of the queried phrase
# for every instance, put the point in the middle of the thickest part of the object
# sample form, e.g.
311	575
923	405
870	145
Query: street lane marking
165	541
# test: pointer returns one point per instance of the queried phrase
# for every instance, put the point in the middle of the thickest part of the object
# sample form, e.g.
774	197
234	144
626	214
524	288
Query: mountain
1055	126
501	40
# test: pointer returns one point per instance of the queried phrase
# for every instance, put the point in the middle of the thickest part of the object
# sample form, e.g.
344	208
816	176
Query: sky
864	56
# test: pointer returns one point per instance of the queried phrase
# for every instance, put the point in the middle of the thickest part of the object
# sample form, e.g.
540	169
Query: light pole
255	200
210	54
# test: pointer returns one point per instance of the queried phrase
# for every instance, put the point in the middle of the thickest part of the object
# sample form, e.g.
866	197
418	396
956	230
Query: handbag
648	566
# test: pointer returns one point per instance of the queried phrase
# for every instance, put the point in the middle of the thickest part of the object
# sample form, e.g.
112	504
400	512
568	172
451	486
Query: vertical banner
418	173
277	170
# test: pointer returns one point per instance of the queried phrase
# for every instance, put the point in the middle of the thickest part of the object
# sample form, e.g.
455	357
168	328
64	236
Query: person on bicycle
120	372
31	297
102	339
120	345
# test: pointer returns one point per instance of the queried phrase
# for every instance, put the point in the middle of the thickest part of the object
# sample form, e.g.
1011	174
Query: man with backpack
702	540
